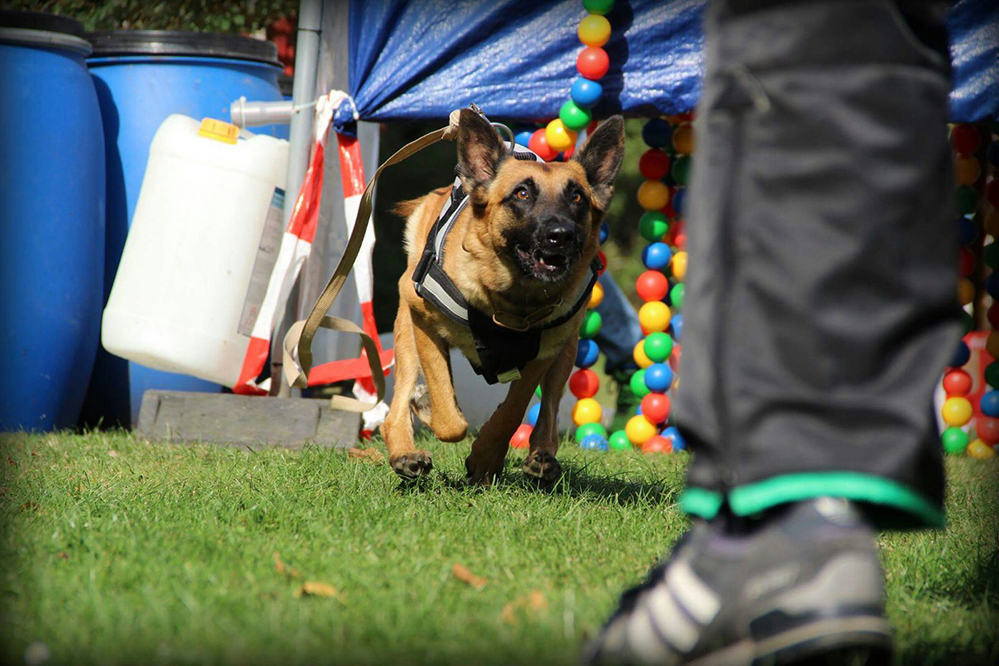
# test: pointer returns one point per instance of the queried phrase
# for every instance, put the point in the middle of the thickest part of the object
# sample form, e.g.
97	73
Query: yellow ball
639	429
587	410
981	450
679	265
596	296
653	317
683	139
652	194
594	30
967	169
559	136
638	354
992	344
965	291
956	411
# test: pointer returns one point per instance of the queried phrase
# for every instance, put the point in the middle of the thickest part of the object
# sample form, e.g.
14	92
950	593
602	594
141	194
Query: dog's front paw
412	465
543	467
482	472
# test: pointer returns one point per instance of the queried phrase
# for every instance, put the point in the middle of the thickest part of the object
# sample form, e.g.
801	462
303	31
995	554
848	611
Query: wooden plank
245	421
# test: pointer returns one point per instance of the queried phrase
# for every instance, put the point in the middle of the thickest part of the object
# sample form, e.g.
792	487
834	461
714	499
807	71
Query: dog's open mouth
542	264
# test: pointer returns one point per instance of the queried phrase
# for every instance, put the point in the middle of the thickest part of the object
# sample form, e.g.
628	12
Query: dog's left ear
480	150
601	158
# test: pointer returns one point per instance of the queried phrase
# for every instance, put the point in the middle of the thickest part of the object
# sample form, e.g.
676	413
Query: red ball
569	152
655	407
539	144
993	316
987	429
657	444
653	286
654	164
992	192
965	262
584	383
522	437
680	240
674	358
964	139
957	382
592	63
603	261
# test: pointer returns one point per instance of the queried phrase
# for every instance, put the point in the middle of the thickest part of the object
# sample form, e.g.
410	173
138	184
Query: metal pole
310	15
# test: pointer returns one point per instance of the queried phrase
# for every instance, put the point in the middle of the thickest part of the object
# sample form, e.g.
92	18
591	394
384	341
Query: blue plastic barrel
51	221
143	76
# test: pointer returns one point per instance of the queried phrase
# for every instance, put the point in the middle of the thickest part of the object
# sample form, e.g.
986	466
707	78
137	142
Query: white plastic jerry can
200	251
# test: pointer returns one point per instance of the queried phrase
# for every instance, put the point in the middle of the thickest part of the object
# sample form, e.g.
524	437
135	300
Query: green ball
967	200
676	295
637	384
658	347
680	170
537	391
991	255
955	441
653	225
573	116
619	441
601	7
992	374
590	429
590	326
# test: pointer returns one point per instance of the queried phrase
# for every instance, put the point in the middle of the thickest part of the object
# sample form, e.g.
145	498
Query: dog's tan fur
490	280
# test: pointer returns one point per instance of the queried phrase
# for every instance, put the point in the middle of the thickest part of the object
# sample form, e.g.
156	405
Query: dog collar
505	343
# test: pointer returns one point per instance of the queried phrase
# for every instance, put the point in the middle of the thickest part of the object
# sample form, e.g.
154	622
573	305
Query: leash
297	344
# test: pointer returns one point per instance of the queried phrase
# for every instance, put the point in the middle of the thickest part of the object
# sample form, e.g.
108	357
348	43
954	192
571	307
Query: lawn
115	551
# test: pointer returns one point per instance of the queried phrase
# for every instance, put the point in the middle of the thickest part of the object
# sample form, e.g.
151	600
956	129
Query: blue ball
657	133
532	414
658	377
990	403
604	232
676	324
587	353
961	356
992	284
594	442
585	93
656	256
967	232
521	138
992	153
679	199
672	434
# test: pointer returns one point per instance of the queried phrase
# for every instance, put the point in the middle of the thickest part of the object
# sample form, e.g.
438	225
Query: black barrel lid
180	43
40	21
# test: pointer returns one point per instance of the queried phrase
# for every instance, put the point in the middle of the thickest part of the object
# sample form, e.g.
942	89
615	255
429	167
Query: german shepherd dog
524	242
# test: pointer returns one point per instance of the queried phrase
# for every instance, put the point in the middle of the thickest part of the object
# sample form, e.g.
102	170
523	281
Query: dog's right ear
480	151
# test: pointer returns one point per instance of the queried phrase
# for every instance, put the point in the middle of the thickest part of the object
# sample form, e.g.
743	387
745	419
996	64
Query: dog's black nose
559	235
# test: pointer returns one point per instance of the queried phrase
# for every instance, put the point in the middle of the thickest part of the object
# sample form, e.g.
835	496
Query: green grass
164	554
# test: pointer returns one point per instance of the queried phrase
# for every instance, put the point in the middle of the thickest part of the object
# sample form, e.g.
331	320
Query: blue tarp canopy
420	59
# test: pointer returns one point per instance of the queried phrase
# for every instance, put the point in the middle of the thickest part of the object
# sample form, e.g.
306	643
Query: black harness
504	347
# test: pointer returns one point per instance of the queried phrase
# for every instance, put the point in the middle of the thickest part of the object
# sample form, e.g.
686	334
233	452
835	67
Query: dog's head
541	220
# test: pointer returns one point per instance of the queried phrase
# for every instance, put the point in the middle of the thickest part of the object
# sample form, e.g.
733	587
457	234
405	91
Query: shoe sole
809	641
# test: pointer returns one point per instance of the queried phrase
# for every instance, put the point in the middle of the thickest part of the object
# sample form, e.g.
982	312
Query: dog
520	255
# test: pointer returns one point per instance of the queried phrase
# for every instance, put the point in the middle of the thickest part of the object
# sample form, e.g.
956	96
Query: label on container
263	265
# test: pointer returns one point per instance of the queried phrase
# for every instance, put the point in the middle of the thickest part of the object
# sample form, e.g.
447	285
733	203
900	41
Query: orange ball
652	194
522	437
967	169
596	296
683	139
657	444
965	291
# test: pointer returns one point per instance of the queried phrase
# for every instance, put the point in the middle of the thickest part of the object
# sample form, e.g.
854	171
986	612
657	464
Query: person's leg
821	310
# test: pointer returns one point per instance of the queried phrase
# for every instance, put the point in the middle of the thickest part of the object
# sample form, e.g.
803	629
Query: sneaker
800	584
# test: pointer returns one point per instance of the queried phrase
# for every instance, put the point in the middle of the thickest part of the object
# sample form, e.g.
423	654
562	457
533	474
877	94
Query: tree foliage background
198	15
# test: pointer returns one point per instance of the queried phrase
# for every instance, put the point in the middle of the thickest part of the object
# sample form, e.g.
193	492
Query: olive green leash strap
298	341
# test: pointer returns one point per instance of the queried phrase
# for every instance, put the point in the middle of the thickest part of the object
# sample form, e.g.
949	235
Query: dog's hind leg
490	447
405	459
446	419
541	463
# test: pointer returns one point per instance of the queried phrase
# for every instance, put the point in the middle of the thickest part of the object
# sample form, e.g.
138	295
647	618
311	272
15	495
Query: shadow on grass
577	480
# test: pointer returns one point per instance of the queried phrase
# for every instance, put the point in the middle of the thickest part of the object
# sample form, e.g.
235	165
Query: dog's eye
576	197
522	193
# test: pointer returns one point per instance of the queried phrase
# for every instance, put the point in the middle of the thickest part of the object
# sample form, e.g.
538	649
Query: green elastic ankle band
877	490
700	502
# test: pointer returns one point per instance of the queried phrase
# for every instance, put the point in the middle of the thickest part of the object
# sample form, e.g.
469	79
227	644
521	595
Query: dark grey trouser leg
821	299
